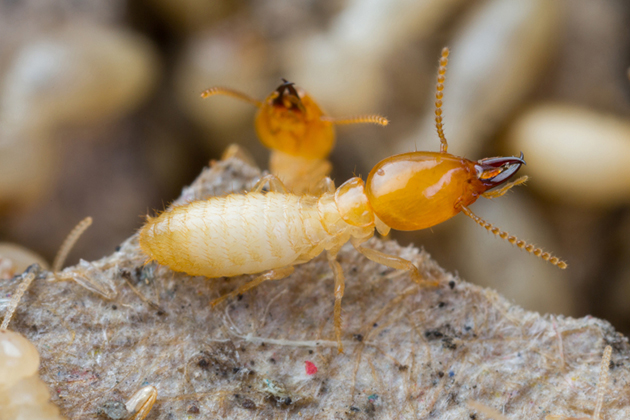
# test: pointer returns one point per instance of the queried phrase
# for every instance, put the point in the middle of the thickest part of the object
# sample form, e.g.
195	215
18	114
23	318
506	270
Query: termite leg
340	286
393	262
602	382
326	185
359	119
275	274
547	256
142	401
275	185
27	278
69	242
438	99
601	390
219	90
501	191
238	152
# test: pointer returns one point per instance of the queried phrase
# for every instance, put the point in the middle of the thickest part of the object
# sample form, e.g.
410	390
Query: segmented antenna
438	99
359	119
67	245
514	240
601	384
27	278
219	90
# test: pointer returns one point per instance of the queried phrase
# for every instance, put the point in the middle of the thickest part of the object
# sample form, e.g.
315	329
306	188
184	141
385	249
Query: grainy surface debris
410	352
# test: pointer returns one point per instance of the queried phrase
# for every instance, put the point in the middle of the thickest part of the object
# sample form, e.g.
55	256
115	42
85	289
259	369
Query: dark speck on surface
114	410
248	404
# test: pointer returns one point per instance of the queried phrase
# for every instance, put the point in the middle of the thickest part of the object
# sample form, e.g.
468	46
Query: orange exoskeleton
271	232
299	133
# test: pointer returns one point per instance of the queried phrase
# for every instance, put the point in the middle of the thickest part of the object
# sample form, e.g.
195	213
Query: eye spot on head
380	172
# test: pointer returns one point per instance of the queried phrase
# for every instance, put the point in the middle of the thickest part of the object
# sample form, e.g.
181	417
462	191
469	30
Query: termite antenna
67	245
501	191
359	119
27	278
601	384
219	90
514	240
438	99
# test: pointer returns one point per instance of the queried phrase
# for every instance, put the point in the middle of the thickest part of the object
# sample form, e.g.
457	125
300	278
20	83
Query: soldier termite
299	133
270	233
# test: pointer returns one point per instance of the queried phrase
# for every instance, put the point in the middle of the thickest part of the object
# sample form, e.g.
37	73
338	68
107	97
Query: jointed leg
275	185
501	191
27	278
340	285
326	185
394	262
69	242
275	274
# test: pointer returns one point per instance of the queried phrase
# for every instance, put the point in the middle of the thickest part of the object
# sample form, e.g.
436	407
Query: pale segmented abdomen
232	235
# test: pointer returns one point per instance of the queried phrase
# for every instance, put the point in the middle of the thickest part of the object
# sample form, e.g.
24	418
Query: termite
299	133
271	232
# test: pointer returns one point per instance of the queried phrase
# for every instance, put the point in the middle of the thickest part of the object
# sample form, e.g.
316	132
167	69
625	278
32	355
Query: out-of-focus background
100	115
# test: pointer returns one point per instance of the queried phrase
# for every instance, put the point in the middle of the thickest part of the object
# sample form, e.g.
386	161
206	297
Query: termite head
418	190
290	121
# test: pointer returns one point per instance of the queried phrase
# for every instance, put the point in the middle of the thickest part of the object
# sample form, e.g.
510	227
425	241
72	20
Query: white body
246	233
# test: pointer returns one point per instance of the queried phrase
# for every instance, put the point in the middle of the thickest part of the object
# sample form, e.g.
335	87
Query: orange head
290	121
418	190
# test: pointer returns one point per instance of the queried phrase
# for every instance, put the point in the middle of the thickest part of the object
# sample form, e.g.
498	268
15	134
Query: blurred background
100	115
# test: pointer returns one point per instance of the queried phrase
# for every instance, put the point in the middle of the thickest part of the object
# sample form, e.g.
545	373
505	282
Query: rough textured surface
410	352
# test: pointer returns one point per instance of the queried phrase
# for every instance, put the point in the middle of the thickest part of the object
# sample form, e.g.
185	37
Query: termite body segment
299	133
271	232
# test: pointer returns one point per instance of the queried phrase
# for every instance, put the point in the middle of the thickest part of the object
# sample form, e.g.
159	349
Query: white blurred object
342	67
574	154
496	58
28	166
23	395
77	73
18	259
